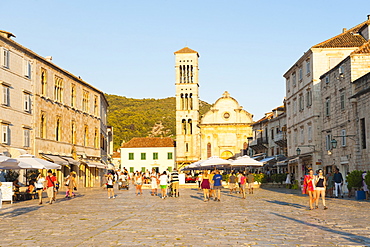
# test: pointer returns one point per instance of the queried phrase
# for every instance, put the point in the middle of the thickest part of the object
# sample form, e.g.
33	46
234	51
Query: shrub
260	178
279	177
354	180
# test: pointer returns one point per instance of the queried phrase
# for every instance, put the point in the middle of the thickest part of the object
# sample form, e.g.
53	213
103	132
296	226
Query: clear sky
126	47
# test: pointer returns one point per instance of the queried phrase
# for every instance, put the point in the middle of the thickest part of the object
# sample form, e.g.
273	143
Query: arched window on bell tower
182	101
209	151
181	74
190	126
191	74
184	126
186	102
191	101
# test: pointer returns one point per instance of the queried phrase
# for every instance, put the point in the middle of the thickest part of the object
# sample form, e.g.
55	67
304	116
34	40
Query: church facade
223	131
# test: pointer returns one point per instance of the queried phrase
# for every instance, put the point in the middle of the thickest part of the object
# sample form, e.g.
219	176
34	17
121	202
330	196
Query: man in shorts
250	178
51	181
232	182
217	185
175	183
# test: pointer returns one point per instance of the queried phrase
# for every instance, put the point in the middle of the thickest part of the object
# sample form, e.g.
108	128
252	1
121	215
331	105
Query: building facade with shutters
52	113
345	108
304	99
147	153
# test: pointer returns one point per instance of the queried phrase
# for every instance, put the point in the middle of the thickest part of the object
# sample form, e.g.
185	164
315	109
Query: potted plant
354	180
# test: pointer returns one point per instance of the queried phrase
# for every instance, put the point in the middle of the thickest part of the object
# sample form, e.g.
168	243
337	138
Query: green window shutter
143	156
131	156
155	156
169	156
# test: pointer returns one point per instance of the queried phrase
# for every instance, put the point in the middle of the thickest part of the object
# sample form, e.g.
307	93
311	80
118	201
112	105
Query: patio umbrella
36	163
214	162
245	161
8	163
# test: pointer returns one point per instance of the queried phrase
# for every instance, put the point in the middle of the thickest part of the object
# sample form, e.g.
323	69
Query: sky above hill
126	47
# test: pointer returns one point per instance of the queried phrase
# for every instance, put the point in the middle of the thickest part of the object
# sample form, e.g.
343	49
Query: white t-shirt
163	180
40	183
154	178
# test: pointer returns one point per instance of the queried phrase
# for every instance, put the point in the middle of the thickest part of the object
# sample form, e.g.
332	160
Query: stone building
344	112
223	131
269	143
16	108
303	95
51	113
187	106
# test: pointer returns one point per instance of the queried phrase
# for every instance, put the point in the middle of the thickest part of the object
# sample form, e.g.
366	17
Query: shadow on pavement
349	236
19	211
295	205
197	197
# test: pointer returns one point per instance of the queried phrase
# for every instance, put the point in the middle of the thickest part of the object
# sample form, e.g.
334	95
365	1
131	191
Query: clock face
226	115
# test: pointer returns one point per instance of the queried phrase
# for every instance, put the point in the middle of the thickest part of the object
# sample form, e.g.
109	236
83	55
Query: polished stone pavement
269	217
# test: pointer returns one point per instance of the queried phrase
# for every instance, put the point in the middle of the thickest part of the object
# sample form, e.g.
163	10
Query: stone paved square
269	217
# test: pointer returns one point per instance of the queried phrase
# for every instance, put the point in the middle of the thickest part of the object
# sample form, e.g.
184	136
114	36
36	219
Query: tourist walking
110	184
175	184
338	181
250	179
243	183
320	187
40	186
139	179
50	187
287	180
364	185
56	189
217	185
239	181
205	185
232	182
154	182
163	180
199	180
309	187
211	191
71	185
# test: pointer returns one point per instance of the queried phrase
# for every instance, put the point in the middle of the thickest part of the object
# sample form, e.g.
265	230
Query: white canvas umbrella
7	163
36	163
245	161
214	162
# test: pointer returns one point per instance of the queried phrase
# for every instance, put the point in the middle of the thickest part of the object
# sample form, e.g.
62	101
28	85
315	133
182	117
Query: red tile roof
267	117
365	48
349	38
186	50
116	155
149	142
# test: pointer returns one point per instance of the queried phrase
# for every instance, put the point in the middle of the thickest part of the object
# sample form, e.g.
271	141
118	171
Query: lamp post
334	143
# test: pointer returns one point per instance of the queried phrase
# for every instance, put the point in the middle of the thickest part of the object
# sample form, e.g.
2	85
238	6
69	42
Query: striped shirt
174	177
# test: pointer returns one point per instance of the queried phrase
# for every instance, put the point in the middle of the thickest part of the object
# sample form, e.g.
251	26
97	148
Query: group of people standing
211	184
167	182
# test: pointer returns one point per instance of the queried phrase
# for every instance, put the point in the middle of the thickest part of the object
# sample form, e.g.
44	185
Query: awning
70	160
56	159
94	164
266	160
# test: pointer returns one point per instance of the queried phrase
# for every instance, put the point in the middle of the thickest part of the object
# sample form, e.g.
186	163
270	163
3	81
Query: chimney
49	58
344	29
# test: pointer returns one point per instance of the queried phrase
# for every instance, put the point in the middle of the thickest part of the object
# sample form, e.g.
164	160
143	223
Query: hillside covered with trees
143	117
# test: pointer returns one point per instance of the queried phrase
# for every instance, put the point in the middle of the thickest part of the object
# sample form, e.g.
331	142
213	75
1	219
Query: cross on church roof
226	94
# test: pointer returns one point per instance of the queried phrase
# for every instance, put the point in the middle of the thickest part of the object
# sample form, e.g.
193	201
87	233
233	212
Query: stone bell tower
187	107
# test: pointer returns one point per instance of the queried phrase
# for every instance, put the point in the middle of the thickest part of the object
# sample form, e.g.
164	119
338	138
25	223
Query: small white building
145	153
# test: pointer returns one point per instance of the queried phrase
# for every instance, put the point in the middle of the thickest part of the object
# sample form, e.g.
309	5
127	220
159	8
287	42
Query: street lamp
298	150
334	143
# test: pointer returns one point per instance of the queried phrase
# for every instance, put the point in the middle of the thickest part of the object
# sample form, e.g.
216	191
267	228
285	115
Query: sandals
325	208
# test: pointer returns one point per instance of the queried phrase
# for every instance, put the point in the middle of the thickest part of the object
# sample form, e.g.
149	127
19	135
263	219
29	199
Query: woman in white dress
154	182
